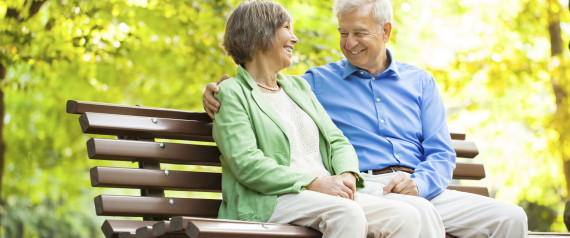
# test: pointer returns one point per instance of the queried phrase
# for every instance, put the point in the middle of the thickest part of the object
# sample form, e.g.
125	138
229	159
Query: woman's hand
349	180
343	185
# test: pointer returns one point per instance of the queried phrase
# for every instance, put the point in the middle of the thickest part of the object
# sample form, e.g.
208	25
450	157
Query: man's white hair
381	10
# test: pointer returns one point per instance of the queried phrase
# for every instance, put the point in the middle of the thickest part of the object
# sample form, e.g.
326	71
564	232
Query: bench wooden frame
138	127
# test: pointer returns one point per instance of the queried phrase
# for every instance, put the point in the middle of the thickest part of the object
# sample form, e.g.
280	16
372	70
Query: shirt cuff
423	189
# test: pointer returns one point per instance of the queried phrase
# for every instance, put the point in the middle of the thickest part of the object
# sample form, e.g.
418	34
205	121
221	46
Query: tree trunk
2	148
561	115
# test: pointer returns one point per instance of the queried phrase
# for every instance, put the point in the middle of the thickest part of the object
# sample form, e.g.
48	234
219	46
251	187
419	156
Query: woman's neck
262	71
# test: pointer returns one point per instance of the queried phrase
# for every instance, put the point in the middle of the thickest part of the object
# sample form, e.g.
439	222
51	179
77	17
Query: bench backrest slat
145	127
156	179
172	153
457	135
131	206
80	107
175	153
472	171
465	149
202	181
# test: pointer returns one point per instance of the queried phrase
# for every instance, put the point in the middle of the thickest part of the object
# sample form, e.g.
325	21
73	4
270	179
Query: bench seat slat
155	179
221	228
79	107
472	171
164	229
465	149
112	205
217	229
123	228
548	234
173	153
145	127
483	191
160	229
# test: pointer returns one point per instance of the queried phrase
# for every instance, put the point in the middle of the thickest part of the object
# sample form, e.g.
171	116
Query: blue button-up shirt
395	118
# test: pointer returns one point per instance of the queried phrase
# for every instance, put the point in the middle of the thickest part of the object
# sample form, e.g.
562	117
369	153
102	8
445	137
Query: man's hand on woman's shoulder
209	102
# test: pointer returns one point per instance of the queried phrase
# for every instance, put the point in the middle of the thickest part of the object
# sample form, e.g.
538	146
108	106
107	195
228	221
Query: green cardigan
255	148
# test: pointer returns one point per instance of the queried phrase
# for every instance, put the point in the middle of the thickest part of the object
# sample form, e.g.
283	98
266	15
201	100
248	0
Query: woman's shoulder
232	85
229	83
297	82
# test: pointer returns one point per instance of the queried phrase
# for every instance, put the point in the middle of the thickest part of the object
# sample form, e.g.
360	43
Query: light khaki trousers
337	217
460	214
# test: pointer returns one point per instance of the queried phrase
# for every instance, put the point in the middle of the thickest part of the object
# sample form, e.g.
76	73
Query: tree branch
34	9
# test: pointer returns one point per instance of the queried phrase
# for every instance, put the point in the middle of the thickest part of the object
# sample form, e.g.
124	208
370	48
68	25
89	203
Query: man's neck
383	65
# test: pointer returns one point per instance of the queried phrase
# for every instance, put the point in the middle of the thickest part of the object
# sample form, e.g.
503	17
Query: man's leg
341	217
389	218
471	215
431	222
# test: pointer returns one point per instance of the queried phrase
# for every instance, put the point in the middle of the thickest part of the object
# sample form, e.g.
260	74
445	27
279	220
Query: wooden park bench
155	138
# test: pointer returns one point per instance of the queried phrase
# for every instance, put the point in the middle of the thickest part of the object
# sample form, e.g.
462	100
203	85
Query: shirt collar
350	68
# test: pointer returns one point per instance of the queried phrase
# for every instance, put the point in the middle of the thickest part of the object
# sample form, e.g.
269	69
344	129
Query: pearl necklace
267	87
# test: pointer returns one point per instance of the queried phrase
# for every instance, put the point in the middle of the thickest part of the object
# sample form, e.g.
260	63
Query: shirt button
361	73
397	156
378	99
382	121
373	78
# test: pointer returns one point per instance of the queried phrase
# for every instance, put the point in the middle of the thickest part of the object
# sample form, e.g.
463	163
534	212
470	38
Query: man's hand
209	102
402	184
333	185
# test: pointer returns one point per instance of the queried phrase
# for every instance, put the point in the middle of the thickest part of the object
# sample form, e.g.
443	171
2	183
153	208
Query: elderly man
393	115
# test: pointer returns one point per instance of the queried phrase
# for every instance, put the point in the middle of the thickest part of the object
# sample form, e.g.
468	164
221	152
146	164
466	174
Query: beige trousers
337	217
460	214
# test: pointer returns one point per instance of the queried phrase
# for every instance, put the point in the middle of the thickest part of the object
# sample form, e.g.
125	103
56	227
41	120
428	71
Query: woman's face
282	47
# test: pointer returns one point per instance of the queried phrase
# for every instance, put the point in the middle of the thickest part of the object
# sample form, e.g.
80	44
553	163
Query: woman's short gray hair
251	27
381	10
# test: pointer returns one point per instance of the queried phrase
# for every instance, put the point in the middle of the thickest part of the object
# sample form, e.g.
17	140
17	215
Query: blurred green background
503	68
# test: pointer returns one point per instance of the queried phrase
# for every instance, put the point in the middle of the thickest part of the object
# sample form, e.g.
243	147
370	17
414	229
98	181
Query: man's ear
387	31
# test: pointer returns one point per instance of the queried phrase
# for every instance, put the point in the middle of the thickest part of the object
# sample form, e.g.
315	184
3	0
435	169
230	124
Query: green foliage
491	60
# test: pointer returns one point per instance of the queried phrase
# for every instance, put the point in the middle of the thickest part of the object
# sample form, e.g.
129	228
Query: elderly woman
283	159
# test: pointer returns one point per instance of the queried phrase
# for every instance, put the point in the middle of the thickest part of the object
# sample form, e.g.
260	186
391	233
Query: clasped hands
343	185
402	184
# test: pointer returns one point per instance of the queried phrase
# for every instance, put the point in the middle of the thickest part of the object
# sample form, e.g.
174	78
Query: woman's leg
340	217
333	216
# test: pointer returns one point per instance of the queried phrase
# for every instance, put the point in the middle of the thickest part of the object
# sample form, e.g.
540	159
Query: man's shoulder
334	67
406	67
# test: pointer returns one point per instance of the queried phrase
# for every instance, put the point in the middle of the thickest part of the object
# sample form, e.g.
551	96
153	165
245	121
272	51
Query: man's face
362	42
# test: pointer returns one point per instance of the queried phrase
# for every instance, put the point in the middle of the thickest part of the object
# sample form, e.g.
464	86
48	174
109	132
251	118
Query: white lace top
302	132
